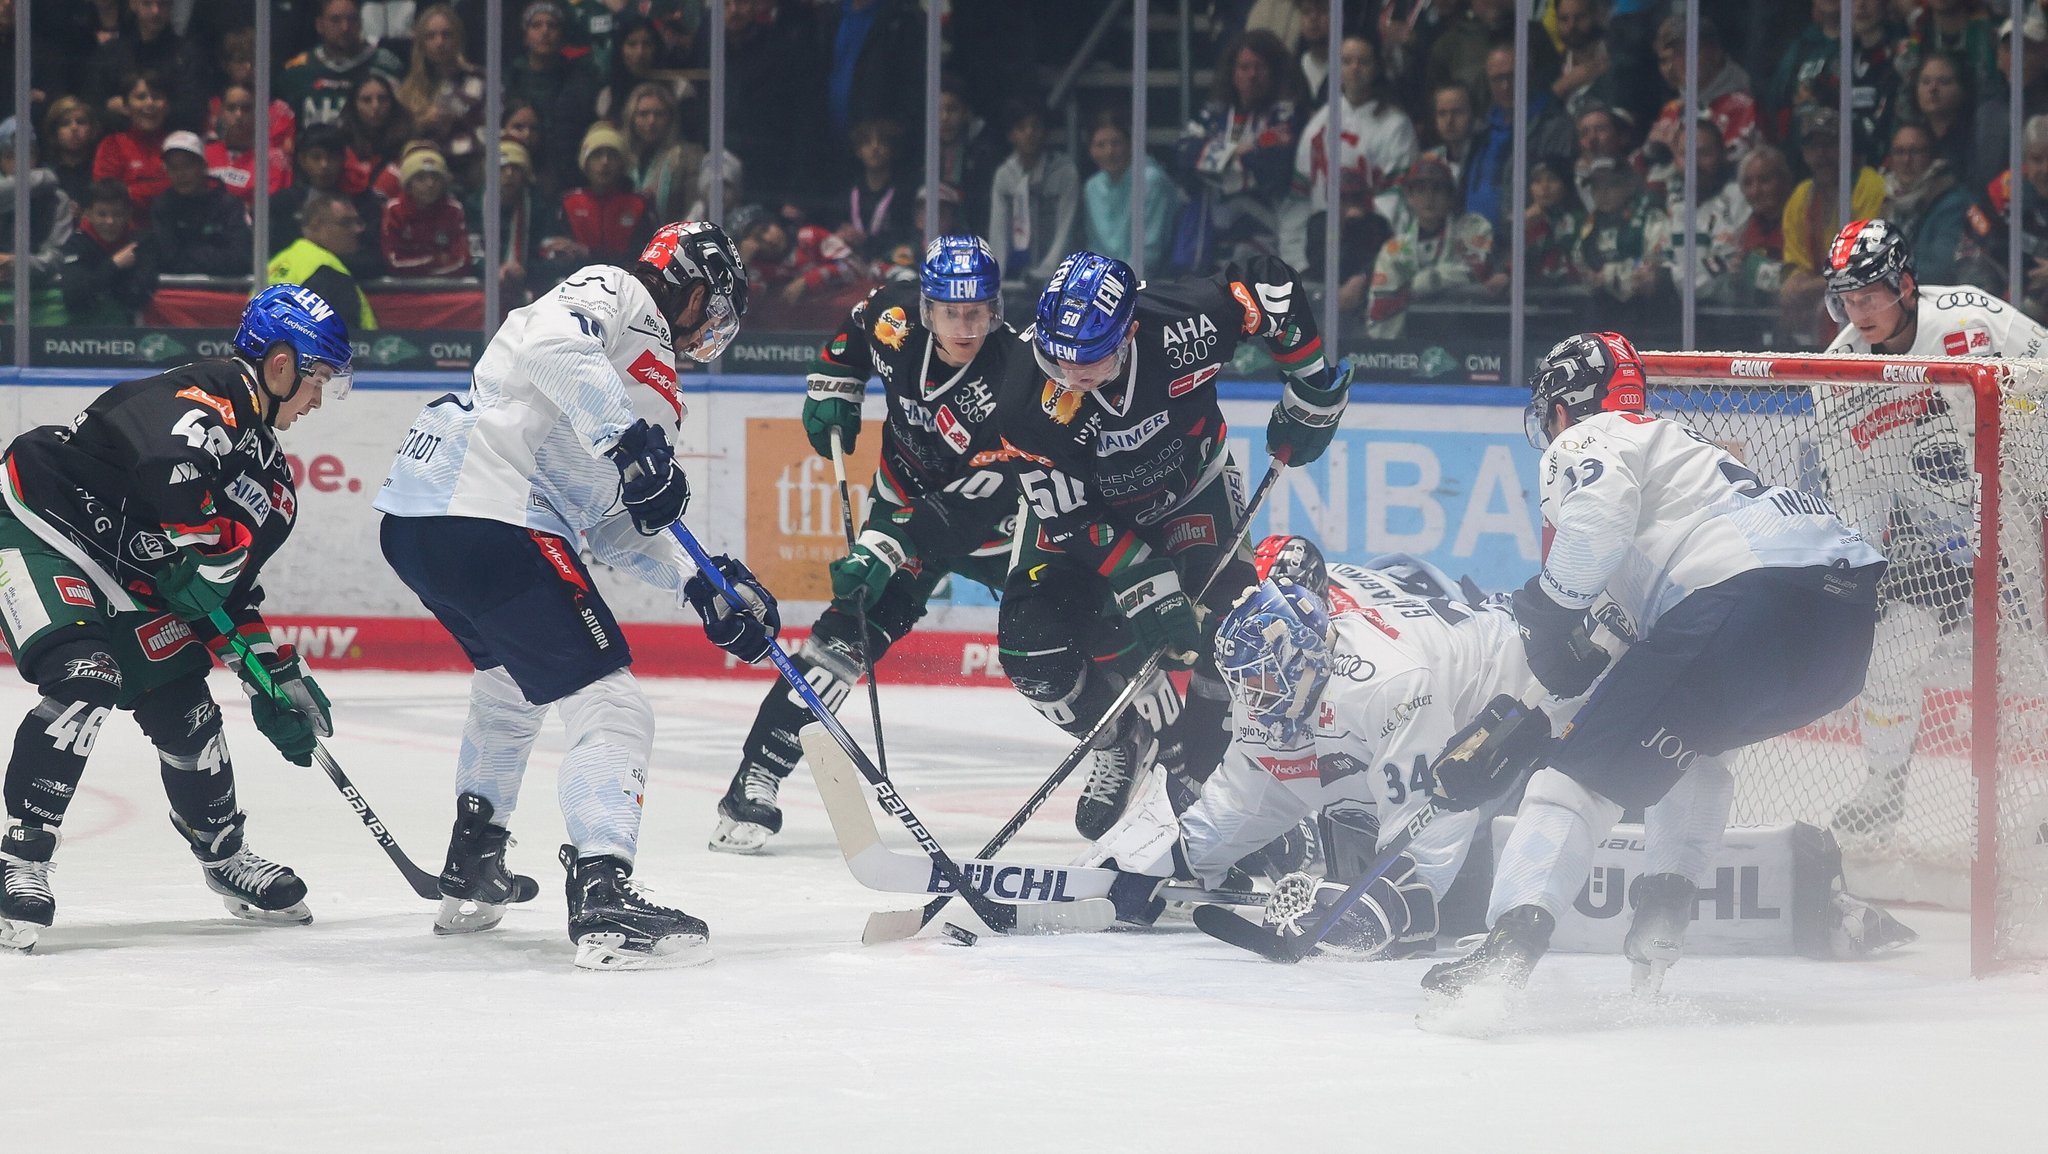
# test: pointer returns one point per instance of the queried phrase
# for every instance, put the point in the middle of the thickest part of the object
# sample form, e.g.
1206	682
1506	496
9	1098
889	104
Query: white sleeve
1257	794
658	561
566	361
1418	710
1591	495
2014	334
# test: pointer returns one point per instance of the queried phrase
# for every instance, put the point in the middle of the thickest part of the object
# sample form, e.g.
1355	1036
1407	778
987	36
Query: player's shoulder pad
602	292
221	389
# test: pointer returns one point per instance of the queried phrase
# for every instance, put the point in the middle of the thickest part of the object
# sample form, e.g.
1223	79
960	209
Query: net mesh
1893	446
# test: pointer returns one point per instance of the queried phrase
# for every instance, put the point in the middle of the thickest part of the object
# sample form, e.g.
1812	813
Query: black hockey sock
50	747
199	779
772	742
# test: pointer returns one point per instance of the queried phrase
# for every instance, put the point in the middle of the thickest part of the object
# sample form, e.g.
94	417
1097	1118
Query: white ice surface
149	1021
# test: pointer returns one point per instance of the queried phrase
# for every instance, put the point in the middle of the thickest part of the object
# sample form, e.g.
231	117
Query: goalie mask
1273	649
1587	374
1866	253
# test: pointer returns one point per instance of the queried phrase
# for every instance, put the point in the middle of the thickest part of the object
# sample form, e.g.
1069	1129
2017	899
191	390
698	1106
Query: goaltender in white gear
1901	466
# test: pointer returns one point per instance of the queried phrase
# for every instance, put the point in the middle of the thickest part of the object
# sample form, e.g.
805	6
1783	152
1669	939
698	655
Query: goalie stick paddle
889	925
997	916
423	883
860	603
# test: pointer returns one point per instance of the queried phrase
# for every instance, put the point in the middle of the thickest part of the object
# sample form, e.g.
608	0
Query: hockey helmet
1865	252
689	252
961	269
1273	649
1084	317
295	315
1295	558
1587	374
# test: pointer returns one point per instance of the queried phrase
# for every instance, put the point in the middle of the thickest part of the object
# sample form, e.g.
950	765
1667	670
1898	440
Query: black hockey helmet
1587	374
691	252
1866	252
1295	558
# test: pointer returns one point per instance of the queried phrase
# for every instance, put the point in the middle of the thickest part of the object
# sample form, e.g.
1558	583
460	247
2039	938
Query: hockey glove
824	414
877	554
745	632
1149	596
195	584
650	482
1561	653
1482	761
294	724
1305	419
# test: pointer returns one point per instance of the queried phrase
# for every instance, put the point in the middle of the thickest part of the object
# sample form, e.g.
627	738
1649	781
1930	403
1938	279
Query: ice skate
1475	994
1128	753
615	926
26	903
475	884
1656	938
252	888
747	814
1876	807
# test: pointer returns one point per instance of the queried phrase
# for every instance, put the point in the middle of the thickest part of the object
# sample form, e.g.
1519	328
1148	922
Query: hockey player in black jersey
1119	446
119	535
942	350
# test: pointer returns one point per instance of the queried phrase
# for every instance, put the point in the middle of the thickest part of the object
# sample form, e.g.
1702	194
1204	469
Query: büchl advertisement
1453	483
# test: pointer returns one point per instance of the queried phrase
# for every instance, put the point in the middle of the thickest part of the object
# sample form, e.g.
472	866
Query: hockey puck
964	937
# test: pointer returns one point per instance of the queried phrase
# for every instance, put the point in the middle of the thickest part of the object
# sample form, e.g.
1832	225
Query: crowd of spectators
377	147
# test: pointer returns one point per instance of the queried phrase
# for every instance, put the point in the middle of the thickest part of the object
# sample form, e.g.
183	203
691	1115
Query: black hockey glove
1305	419
1561	652
746	632
1482	761
1149	596
295	724
650	482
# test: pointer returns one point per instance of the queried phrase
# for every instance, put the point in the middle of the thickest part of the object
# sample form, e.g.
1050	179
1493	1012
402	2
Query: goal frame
1985	378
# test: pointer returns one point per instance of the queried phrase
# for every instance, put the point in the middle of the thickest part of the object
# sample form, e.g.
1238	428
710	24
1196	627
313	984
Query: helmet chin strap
276	402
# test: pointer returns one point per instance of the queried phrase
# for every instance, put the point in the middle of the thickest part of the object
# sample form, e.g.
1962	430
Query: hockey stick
860	603
877	867
997	916
890	925
423	883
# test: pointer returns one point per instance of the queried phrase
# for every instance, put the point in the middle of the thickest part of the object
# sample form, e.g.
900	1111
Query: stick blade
1232	928
1085	916
892	926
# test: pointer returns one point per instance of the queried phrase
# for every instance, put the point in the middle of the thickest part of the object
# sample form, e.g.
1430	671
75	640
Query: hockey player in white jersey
1340	707
1749	611
1905	475
563	442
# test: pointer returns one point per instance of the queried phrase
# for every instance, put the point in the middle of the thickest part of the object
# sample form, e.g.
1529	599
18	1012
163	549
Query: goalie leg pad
604	775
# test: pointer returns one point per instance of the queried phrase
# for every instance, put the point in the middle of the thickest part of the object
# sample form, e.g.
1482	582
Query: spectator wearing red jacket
604	222
232	158
789	257
425	233
134	156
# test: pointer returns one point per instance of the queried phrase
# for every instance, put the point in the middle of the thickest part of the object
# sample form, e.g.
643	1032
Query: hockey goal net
1935	780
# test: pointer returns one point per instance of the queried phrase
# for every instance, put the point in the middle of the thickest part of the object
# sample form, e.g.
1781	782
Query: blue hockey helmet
1084	314
961	269
297	316
1273	649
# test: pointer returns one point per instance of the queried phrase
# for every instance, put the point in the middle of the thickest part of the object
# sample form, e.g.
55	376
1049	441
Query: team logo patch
224	410
1182	386
950	428
1979	339
1184	533
72	591
1253	317
150	547
163	636
556	551
284	501
658	375
892	326
1956	344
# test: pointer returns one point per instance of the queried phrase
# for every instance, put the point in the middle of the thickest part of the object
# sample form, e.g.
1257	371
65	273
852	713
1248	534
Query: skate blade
744	837
610	952
1480	1010
1646	979
295	914
466	916
19	936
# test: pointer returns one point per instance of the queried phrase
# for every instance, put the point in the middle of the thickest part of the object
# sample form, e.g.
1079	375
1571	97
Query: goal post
1935	781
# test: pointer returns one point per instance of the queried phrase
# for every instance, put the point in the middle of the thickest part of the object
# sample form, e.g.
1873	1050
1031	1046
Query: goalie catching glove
879	551
1305	419
1561	652
651	484
1149	596
1398	907
745	631
1483	760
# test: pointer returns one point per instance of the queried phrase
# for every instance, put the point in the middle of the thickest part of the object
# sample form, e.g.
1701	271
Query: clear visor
954	321
720	326
1088	377
1870	301
1532	424
334	384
